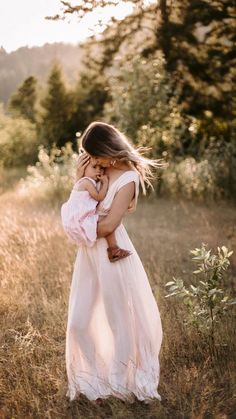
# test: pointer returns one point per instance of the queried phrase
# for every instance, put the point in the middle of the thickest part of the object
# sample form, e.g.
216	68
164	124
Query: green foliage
196	37
143	106
201	50
89	97
166	134
194	179
140	94
22	103
57	108
201	163
172	92
18	141
53	175
206	301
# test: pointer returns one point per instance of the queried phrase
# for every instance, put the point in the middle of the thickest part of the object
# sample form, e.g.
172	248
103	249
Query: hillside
36	61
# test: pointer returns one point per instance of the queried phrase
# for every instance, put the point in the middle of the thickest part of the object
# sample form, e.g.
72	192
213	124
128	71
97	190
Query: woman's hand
82	162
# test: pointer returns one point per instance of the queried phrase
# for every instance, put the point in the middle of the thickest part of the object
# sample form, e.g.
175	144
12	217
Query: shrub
191	179
18	141
53	175
206	301
144	104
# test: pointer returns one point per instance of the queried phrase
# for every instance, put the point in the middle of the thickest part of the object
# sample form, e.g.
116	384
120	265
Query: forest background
164	75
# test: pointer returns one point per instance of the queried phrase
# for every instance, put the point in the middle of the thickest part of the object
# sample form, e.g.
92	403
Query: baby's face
93	170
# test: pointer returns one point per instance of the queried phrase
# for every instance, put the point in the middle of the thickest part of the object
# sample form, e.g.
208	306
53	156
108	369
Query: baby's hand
103	178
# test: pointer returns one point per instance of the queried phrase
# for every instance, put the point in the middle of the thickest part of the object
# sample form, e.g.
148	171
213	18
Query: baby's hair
104	140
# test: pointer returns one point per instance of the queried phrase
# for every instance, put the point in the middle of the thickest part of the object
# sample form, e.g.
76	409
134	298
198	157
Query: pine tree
22	103
57	107
90	95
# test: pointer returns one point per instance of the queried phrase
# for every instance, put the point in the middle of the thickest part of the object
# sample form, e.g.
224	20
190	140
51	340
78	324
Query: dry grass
36	267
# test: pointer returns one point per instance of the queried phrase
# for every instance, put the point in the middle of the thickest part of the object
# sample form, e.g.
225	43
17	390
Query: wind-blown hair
104	140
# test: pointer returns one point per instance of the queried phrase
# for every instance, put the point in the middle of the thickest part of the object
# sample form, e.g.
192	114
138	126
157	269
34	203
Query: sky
23	23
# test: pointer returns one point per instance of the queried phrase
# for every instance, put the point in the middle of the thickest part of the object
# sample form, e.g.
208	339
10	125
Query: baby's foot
99	401
115	253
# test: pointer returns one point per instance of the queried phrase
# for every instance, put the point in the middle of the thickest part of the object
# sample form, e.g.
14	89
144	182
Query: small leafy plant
53	175
206	301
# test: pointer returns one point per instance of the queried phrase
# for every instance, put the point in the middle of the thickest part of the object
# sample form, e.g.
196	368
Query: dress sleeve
130	177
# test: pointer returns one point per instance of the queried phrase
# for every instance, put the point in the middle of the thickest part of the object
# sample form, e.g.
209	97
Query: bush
18	141
191	179
202	180
206	302
53	175
145	106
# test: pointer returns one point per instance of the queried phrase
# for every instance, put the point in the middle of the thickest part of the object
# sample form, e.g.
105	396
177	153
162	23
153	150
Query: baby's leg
114	251
111	239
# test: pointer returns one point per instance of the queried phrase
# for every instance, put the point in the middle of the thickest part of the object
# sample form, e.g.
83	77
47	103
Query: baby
78	214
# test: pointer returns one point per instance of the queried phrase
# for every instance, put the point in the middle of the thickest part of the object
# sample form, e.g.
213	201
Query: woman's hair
104	140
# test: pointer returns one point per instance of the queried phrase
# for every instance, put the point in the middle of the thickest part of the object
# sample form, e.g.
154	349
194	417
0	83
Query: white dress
114	331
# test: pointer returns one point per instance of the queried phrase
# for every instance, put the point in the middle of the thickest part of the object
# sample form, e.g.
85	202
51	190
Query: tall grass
36	262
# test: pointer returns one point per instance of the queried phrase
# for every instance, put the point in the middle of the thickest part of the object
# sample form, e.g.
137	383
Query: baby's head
93	170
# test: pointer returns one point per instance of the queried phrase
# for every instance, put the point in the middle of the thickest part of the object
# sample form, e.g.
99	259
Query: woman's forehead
98	157
99	160
94	162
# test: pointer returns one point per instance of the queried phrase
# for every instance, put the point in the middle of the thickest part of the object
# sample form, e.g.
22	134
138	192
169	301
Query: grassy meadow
36	263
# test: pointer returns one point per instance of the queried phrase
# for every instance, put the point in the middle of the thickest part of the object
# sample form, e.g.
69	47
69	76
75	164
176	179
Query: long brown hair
104	140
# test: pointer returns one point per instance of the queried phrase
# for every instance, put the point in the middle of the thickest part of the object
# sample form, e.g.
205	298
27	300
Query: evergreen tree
57	107
90	95
22	103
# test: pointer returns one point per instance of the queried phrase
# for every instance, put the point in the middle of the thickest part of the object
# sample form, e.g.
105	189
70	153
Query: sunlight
24	24
96	20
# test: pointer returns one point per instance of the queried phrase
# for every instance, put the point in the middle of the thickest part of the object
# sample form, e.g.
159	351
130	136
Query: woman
114	330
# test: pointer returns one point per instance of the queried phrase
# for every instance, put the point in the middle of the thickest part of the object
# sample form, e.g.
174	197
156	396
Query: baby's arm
98	195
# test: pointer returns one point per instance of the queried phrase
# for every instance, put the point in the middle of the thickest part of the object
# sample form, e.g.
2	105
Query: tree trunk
163	35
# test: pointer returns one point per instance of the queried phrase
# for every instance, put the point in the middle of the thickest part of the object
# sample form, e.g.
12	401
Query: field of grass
36	263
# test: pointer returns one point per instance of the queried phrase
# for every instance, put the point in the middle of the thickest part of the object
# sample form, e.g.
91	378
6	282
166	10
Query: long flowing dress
114	330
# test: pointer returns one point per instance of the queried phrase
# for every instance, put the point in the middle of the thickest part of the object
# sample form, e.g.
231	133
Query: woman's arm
119	207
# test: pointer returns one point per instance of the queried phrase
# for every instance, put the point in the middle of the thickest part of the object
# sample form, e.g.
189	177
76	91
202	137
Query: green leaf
224	250
230	303
213	291
169	283
170	295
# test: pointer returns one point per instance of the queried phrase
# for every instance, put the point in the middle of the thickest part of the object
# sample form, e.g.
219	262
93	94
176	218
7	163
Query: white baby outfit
78	215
